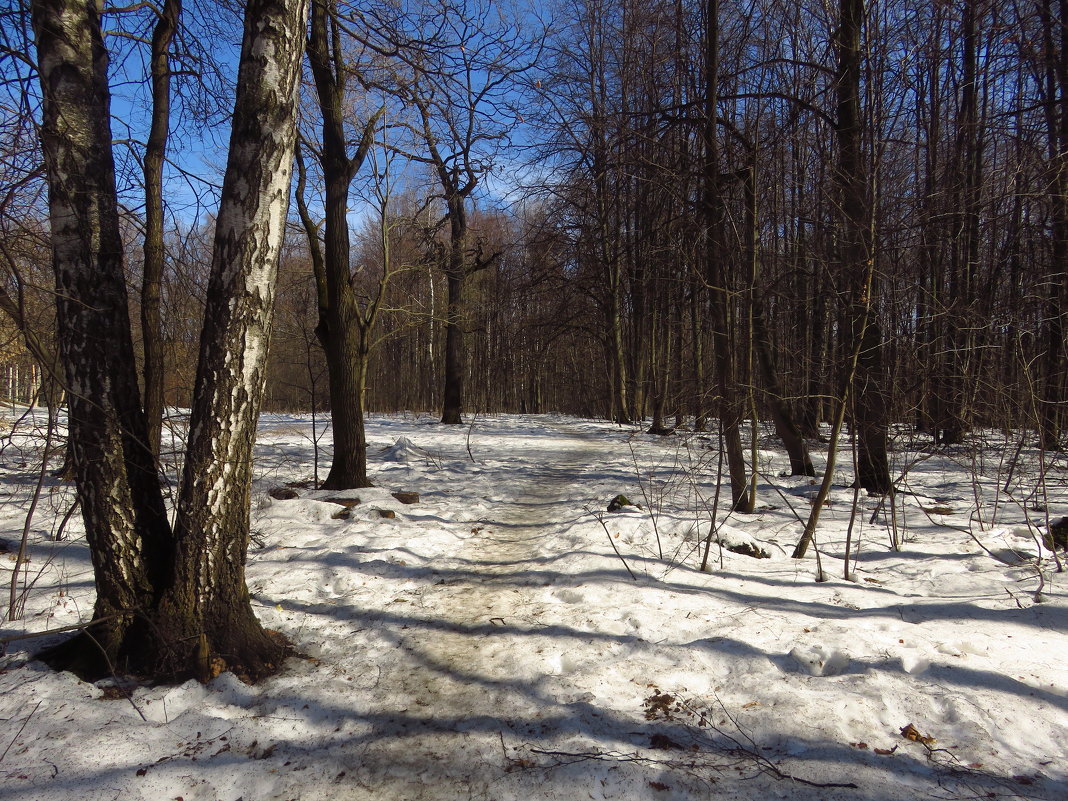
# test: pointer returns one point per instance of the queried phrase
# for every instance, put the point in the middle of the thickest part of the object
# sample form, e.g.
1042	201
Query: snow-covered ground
506	637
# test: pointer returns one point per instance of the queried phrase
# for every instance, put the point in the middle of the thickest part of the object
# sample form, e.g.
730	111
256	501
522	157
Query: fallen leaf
910	732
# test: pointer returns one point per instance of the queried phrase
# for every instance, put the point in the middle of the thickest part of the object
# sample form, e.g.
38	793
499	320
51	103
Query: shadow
332	730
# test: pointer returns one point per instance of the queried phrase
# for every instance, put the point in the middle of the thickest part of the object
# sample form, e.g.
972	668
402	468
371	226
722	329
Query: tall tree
1054	96
730	407
462	72
857	259
169	602
345	325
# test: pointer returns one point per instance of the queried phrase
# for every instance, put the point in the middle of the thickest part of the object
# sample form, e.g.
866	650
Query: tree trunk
1054	358
785	427
343	328
455	272
154	258
870	416
122	505
730	409
209	599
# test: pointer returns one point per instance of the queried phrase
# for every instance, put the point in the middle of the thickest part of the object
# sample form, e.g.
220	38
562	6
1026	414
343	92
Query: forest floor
507	637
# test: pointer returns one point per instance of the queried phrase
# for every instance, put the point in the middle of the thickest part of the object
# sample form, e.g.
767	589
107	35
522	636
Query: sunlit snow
506	637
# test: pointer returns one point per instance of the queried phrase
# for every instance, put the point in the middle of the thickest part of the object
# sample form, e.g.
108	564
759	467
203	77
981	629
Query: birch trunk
122	505
209	601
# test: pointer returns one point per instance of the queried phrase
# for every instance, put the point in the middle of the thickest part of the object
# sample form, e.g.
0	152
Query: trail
479	638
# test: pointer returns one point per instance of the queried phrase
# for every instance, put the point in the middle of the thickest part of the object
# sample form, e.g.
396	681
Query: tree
1054	99
857	260
345	325
459	83
170	602
730	410
154	258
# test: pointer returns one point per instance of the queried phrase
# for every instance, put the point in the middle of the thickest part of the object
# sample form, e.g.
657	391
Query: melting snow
508	638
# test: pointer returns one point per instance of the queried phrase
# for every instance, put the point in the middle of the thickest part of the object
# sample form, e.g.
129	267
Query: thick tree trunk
343	328
452	399
122	505
209	600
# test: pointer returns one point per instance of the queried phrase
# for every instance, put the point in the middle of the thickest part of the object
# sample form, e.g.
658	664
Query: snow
508	638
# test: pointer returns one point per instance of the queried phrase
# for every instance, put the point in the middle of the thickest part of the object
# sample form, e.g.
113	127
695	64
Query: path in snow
482	653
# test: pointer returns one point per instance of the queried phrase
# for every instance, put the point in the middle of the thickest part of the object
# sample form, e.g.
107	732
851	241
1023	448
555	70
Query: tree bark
1054	358
118	488
344	328
455	272
785	427
870	415
730	409
209	600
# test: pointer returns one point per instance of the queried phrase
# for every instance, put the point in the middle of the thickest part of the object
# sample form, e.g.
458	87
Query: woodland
830	217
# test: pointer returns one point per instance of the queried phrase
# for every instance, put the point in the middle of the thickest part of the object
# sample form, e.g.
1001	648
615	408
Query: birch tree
171	602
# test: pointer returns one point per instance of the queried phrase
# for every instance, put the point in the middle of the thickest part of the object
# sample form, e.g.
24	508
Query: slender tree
154	255
345	325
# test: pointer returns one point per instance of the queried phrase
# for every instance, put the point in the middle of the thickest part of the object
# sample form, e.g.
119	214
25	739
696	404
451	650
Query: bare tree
345	324
458	81
154	250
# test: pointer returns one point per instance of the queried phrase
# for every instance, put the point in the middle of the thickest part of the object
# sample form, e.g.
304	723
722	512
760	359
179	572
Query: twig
18	734
753	751
600	519
16	603
111	670
467	442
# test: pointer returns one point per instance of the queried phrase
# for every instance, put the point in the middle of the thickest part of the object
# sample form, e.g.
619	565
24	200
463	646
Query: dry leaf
910	732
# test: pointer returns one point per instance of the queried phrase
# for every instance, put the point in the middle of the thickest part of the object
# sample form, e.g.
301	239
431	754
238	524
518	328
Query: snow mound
401	451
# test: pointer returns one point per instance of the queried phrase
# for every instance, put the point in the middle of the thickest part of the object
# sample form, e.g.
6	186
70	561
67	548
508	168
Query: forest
426	399
668	210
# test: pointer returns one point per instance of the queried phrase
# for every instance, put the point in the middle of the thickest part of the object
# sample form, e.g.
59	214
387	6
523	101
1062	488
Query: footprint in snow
569	596
819	661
